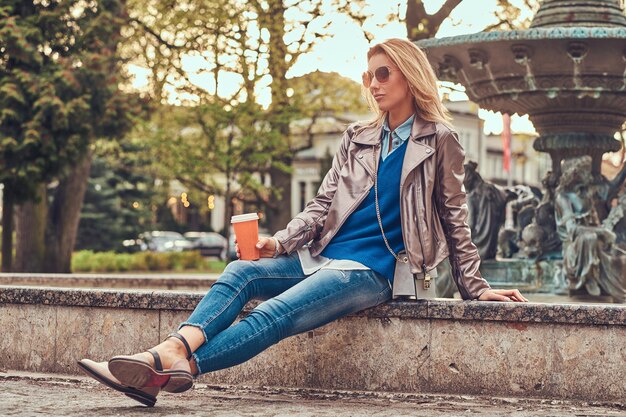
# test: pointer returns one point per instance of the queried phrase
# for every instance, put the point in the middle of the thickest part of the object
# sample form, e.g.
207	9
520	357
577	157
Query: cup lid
244	217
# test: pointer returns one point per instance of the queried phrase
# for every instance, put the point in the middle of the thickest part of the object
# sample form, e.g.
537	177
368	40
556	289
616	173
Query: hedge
89	261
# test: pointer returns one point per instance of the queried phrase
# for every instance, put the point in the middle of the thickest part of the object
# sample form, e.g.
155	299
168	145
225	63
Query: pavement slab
28	394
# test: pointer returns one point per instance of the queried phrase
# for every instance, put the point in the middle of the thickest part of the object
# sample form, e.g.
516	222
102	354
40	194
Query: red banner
506	142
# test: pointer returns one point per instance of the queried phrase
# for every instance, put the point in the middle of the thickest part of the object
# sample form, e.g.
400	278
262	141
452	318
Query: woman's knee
238	273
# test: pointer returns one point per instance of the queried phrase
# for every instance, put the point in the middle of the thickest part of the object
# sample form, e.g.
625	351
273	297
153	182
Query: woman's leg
323	297
240	282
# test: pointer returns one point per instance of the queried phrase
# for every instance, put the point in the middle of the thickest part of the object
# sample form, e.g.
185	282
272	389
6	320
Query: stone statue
520	213
590	260
607	192
539	239
486	203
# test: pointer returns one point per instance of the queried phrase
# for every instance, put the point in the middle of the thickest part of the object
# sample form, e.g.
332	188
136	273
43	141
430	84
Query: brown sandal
137	373
100	372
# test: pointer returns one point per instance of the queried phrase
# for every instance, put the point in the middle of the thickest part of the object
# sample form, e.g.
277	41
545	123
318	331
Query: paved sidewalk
24	394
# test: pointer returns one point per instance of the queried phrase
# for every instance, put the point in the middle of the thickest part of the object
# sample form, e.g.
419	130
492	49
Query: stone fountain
568	73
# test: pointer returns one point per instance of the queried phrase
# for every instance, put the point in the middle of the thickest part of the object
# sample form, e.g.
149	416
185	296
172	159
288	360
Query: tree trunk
278	215
64	218
228	212
30	227
279	212
7	229
421	25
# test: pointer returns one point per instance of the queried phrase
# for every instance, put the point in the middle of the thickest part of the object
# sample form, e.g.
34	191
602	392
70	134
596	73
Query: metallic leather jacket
432	198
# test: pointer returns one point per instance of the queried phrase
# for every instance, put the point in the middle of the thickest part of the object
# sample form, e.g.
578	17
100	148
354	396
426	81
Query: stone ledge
106	280
443	309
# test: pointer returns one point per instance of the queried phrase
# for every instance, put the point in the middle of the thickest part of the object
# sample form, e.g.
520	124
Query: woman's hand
502	295
266	245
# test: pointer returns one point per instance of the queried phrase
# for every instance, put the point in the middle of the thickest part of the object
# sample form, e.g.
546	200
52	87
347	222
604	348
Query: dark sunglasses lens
382	74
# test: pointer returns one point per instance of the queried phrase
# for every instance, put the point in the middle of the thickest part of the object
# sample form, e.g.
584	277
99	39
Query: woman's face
392	94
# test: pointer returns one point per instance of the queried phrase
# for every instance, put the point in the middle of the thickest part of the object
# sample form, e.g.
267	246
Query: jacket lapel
369	136
417	151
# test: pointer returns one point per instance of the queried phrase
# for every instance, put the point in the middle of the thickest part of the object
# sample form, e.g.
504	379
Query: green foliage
202	145
511	16
59	77
119	196
90	261
326	93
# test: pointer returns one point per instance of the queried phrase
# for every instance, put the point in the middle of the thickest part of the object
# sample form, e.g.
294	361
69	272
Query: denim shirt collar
403	131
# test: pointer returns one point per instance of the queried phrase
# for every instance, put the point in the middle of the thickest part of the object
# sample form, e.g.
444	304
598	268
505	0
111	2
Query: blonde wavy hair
414	65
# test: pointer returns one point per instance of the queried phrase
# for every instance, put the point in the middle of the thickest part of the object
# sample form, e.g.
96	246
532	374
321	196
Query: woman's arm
307	224
452	208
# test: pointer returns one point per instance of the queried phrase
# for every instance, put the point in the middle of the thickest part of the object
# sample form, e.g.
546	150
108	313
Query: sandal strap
182	339
157	360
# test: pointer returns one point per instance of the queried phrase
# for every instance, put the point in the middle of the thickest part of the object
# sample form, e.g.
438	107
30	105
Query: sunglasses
381	74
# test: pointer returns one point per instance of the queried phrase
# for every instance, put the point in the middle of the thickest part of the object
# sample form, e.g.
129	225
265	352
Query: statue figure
539	239
589	257
520	213
486	203
608	192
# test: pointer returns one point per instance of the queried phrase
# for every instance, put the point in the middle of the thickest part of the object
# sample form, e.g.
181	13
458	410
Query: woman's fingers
266	249
514	295
520	296
498	297
503	295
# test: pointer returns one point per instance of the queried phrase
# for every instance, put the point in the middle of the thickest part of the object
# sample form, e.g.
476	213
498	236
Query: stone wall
443	346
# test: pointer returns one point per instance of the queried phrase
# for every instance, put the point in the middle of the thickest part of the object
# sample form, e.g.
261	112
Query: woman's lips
378	97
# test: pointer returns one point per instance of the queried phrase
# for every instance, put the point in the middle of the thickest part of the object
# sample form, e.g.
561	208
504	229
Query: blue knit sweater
359	238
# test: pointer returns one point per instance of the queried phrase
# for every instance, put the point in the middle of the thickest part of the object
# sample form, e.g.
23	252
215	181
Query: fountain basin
566	79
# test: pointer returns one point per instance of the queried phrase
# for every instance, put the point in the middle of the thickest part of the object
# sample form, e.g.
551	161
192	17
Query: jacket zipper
419	234
305	229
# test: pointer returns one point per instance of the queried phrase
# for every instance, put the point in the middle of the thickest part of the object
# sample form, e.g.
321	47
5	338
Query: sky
345	51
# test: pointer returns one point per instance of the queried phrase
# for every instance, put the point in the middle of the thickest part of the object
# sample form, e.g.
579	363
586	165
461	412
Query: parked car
164	241
208	243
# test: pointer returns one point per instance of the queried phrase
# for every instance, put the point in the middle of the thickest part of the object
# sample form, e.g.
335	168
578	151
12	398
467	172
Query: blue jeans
295	304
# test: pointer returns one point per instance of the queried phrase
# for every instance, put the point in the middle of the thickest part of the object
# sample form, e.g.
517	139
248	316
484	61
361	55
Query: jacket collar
371	135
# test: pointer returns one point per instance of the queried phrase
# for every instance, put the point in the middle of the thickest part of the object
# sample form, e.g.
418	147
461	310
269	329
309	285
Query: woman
414	158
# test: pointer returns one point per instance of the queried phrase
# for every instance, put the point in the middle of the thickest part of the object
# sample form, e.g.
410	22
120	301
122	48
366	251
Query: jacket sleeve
452	208
307	224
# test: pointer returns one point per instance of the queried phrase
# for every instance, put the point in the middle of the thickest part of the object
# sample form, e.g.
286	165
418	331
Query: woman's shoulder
444	130
357	127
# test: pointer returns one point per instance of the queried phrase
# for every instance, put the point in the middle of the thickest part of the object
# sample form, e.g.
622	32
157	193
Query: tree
117	203
419	23
422	25
215	149
254	41
510	17
58	93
